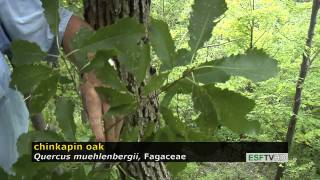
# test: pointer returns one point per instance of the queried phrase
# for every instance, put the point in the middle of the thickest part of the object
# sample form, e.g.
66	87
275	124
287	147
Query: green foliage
203	102
232	109
28	77
254	65
162	43
42	93
176	167
175	129
104	70
155	83
52	14
202	21
23	49
26	139
121	102
64	114
125	37
130	134
3	174
25	168
211	90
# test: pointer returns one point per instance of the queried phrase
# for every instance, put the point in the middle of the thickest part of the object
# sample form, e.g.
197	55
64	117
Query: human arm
25	20
103	128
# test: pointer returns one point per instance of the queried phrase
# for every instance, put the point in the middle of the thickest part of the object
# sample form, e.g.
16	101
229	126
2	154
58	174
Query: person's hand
103	129
93	105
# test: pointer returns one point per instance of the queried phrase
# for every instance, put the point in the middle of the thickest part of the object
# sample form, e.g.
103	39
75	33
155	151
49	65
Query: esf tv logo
267	157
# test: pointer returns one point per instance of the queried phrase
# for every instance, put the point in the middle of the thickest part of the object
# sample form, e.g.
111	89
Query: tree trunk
100	13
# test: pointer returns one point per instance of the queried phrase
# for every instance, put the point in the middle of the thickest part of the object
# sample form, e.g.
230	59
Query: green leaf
51	11
255	65
204	12
26	169
3	174
155	83
209	75
122	110
43	93
64	115
25	52
114	97
129	134
126	37
165	134
175	130
80	56
162	43
173	122
79	173
149	131
27	77
104	71
232	109
182	86
194	134
25	140
64	176
203	102
183	57
176	167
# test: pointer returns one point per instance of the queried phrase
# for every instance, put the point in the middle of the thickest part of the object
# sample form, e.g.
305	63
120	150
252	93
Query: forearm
93	106
90	98
74	26
103	128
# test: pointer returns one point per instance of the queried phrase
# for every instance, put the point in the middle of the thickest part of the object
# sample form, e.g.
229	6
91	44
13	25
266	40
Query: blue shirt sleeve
4	76
22	20
25	20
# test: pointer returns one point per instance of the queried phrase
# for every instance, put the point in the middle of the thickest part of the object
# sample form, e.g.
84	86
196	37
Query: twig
72	52
224	43
314	57
71	74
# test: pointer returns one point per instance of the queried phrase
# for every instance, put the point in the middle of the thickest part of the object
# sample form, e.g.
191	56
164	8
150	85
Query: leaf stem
63	57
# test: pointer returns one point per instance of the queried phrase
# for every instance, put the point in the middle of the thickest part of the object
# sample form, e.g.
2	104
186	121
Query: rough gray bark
303	74
100	13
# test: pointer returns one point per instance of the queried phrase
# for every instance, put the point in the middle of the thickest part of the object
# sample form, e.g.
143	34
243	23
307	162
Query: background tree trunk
100	13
